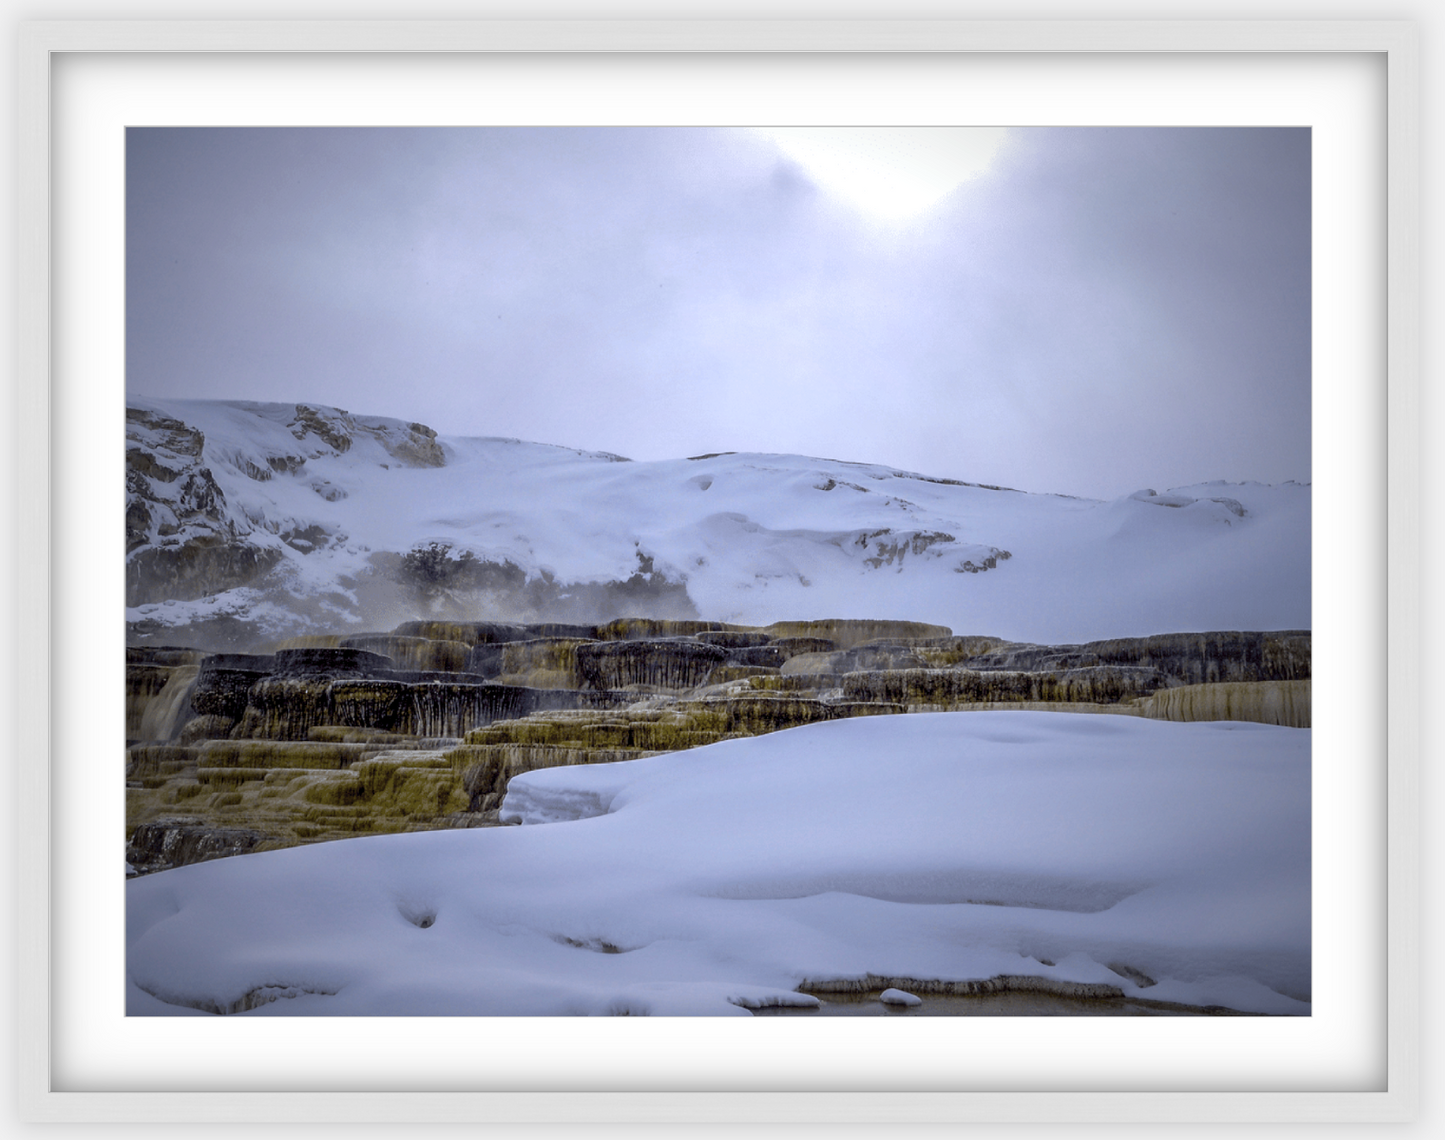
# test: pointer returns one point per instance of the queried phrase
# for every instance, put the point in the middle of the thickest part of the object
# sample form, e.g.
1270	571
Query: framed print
97	96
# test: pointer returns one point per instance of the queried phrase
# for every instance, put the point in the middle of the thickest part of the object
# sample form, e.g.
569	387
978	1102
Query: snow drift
1169	861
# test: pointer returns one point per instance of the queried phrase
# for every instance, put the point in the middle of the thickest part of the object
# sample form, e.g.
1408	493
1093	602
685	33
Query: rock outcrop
181	542
673	665
170	843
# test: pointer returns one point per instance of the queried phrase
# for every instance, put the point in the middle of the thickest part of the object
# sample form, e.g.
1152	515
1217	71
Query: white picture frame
47	391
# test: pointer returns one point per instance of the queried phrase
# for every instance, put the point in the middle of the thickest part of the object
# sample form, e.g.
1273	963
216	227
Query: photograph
718	571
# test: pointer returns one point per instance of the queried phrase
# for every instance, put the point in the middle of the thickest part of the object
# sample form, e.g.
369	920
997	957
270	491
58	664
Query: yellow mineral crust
648	629
307	752
846	633
415	653
484	770
310	641
543	663
1264	702
944	688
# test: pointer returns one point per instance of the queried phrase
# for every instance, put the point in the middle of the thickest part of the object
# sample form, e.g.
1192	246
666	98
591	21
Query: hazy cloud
1103	309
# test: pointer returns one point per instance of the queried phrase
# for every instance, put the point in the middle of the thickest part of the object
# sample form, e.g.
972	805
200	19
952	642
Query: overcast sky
1090	311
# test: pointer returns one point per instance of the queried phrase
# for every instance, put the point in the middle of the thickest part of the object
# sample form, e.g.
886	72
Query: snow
1171	861
756	538
948	846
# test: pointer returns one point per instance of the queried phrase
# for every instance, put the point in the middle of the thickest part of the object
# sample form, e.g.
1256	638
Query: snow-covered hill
252	521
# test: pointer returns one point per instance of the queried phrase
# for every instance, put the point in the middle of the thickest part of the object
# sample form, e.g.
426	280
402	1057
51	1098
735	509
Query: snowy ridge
293	518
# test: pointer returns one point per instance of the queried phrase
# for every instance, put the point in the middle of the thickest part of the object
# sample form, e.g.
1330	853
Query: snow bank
1169	860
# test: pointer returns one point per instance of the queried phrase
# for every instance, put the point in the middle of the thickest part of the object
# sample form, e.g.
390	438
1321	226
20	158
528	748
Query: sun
893	173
